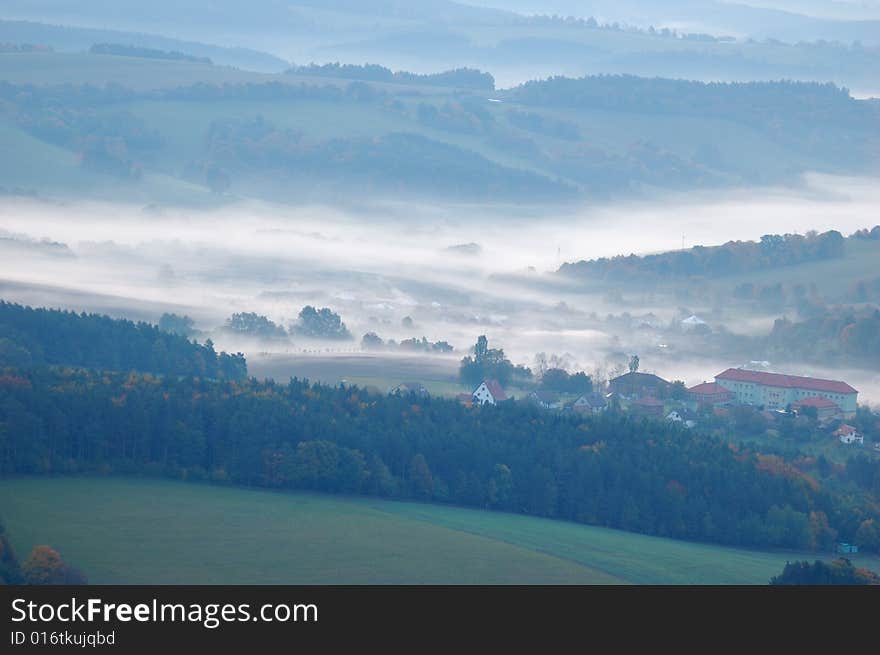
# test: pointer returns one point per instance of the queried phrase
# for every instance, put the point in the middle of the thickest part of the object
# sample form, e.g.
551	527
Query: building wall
482	395
752	393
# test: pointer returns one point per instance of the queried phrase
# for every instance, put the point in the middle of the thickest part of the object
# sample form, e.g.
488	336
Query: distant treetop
321	324
462	78
122	50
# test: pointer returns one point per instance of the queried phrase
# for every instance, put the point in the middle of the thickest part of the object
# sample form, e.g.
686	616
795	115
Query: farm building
591	403
825	409
709	393
778	391
489	391
638	385
848	434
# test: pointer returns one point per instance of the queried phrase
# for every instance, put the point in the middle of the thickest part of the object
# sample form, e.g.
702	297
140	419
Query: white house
849	435
489	391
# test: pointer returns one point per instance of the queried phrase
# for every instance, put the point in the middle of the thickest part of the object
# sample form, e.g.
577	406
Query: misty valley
510	293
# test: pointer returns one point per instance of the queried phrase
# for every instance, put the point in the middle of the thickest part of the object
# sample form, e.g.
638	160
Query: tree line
613	470
461	78
733	257
32	337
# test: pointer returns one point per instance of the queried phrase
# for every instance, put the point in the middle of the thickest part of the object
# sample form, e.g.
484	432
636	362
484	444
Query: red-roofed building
490	391
825	409
710	393
778	391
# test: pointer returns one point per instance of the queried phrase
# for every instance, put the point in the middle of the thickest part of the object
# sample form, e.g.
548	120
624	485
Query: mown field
162	532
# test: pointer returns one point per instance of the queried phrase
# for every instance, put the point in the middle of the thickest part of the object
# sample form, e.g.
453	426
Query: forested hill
613	470
810	117
772	251
31	337
748	102
339	131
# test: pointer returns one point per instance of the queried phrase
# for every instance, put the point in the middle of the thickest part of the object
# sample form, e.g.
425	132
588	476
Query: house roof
639	378
845	429
592	399
787	381
814	401
495	388
709	389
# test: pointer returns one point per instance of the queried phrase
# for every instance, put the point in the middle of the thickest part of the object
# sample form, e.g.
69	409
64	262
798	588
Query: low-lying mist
457	271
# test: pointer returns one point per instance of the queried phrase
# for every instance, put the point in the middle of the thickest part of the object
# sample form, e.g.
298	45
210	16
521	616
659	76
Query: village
769	400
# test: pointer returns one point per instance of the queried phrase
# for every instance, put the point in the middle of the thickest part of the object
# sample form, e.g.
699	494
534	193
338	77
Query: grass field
161	532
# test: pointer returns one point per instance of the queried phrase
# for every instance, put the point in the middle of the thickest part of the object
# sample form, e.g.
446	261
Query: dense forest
122	50
516	145
462	78
83	393
612	470
842	334
30	337
754	103
772	251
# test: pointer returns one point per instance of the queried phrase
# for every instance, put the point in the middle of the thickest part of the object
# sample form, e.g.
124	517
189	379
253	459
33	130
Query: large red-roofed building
710	393
778	391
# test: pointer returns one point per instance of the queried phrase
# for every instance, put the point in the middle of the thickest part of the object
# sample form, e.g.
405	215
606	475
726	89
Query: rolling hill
164	129
439	34
151	532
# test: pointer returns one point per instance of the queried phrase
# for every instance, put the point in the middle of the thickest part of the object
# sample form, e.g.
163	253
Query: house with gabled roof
638	385
590	403
489	392
848	434
709	394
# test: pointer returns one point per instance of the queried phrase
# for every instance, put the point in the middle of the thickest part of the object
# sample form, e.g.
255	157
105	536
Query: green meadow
137	531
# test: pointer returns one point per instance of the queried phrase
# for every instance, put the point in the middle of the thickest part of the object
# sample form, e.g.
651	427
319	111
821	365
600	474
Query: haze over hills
171	127
785	21
63	38
427	36
410	249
